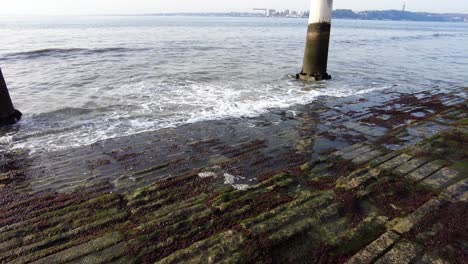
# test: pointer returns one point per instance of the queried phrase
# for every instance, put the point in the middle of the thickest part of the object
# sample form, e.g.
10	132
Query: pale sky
84	7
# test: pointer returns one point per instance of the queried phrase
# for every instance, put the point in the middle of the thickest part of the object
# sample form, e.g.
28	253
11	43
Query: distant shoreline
386	15
370	15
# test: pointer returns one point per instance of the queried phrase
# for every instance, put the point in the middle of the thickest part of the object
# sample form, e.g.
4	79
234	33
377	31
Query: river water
83	79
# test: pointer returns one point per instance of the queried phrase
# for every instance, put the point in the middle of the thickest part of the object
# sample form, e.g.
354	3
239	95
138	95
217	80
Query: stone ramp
316	213
363	203
195	219
435	231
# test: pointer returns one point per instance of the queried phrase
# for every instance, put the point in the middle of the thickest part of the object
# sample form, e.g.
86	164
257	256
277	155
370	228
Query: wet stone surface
347	180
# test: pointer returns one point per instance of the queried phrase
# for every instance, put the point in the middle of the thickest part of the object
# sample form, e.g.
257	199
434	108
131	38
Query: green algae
183	207
221	248
303	224
42	247
461	167
73	253
463	122
367	231
108	255
280	216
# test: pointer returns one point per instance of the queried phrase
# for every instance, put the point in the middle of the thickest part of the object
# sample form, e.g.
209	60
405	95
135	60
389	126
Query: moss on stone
221	248
366	231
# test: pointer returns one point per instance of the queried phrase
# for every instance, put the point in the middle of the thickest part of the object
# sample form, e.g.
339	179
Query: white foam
229	178
149	106
241	187
6	140
207	175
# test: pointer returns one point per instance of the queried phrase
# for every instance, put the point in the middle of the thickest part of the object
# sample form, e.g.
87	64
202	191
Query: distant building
271	12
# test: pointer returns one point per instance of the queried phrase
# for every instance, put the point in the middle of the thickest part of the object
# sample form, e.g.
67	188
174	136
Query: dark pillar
8	114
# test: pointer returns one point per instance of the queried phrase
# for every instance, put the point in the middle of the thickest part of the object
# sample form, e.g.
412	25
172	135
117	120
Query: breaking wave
66	52
158	106
401	39
427	36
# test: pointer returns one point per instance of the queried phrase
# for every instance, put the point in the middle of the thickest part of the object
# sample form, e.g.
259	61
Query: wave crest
65	52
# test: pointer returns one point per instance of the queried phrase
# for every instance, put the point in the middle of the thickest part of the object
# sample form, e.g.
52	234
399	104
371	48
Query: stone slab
426	129
84	249
384	158
365	129
424	171
457	192
356	153
367	157
441	179
375	249
403	252
413	219
348	149
429	259
410	166
395	162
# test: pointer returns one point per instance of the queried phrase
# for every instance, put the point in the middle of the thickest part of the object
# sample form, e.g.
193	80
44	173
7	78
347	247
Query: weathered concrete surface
281	188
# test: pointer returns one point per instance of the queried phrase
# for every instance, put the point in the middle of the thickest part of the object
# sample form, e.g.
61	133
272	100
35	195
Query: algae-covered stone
10	244
356	153
303	145
366	157
407	224
410	166
364	233
348	149
457	192
187	213
84	249
375	249
107	255
288	231
431	259
46	244
424	171
221	248
270	221
357	179
379	160
441	179
3	177
395	162
403	252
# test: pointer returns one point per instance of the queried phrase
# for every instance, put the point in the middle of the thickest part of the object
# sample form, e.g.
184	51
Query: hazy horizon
107	7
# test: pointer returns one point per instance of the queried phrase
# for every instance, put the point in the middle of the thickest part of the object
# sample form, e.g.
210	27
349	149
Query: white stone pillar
318	42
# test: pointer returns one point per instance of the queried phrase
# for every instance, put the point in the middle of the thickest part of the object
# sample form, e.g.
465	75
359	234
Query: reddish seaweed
220	222
452	231
396	198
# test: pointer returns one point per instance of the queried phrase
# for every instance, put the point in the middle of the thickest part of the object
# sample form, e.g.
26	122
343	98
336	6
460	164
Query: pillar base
313	78
12	119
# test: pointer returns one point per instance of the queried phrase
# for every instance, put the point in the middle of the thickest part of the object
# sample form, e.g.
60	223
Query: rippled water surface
81	79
